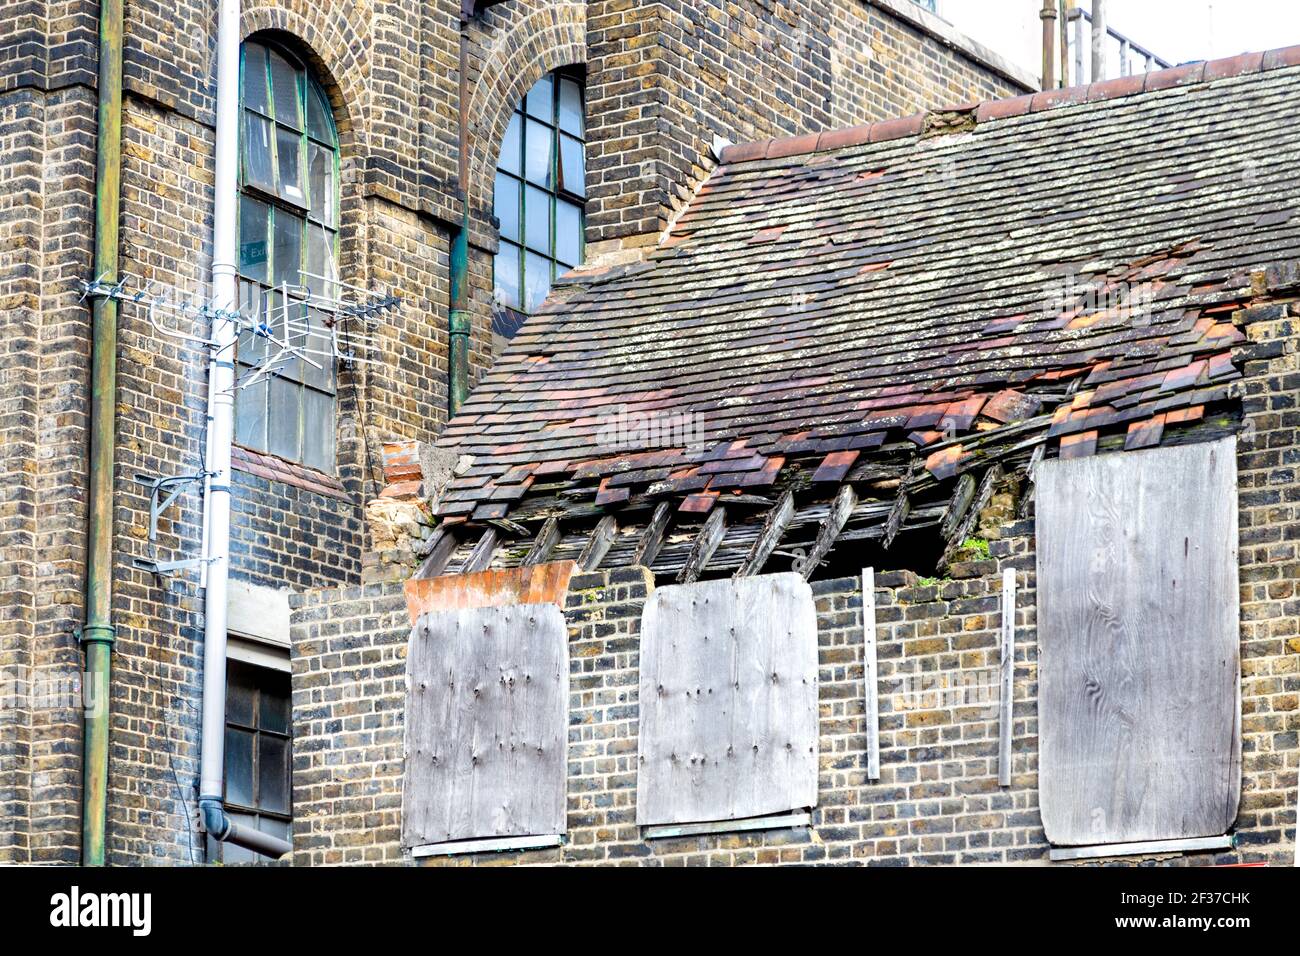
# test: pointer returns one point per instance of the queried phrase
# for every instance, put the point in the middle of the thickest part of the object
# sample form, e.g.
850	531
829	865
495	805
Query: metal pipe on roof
1048	16
1098	40
458	315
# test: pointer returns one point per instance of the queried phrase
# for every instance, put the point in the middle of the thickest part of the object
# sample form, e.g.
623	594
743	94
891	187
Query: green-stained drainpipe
458	315
98	634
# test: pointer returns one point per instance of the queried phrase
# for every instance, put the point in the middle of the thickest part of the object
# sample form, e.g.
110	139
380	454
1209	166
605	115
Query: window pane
282	418
277	828
537	210
272	774
284	91
319	341
318	430
538	141
240	694
540	100
288	146
318	114
510	146
255	78
251	348
506	206
257	151
250	411
573	166
286	253
239	766
321	171
568	233
507	276
320	260
537	280
253	217
571	119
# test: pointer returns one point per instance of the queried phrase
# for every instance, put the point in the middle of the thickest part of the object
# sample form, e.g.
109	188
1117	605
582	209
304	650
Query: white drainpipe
220	433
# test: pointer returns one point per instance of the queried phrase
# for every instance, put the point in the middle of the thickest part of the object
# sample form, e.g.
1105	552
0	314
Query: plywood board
728	700
534	584
1139	708
487	715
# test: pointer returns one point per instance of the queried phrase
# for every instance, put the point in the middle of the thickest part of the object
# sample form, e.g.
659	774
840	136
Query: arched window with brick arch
288	252
540	195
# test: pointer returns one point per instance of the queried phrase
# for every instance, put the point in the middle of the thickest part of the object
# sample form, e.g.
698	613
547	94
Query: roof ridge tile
1188	74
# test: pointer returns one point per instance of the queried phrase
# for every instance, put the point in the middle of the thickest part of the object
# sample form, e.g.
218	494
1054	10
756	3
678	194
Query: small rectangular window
511	145
288	144
255	89
284	86
537	280
537	216
286	251
573	166
571	116
507	275
257	152
540	99
506	206
254	219
539	142
321	184
568	233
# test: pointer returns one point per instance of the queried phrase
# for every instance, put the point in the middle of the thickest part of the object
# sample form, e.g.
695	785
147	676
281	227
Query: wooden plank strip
958	505
652	539
706	542
1007	666
982	497
774	526
441	547
481	557
870	675
1144	848
830	529
897	515
548	536
602	536
499	845
781	822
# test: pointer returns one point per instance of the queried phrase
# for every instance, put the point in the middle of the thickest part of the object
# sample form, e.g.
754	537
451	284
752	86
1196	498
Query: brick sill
274	468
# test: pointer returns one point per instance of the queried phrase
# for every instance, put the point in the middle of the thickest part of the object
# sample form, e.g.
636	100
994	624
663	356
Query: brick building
925	496
368	98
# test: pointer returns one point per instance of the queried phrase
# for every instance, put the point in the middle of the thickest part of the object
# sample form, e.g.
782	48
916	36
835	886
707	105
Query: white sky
1177	30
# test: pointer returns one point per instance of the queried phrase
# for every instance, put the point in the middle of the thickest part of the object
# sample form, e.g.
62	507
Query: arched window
288	222
540	191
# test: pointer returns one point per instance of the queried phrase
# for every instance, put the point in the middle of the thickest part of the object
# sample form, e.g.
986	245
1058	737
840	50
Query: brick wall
937	800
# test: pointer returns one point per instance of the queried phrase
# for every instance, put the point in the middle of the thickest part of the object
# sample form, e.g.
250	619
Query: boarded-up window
486	724
1139	715
728	700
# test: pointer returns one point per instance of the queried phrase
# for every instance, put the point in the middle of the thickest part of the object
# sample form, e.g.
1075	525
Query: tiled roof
916	280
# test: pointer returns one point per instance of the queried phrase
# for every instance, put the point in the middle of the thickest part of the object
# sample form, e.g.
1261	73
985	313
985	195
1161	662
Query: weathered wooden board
1139	709
870	673
486	724
728	700
535	584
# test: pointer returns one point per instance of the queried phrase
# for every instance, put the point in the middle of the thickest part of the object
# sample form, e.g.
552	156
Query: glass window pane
568	233
240	694
506	273
537	210
540	101
571	118
320	260
321	171
319	341
251	348
319	114
283	408
239	766
277	828
273	702
284	91
286	250
288	146
510	146
255	97
250	411
272	774
537	280
538	144
573	166
506	206
318	430
257	151
253	216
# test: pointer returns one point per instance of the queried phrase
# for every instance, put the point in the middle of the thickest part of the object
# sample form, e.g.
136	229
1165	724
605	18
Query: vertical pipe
458	316
1098	40
98	633
220	432
1048	16
1066	7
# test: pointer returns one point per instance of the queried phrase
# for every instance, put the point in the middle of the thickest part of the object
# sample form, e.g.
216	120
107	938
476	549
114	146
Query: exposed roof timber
706	542
548	536
652	539
602	536
830	529
982	497
442	545
481	557
774	525
962	496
